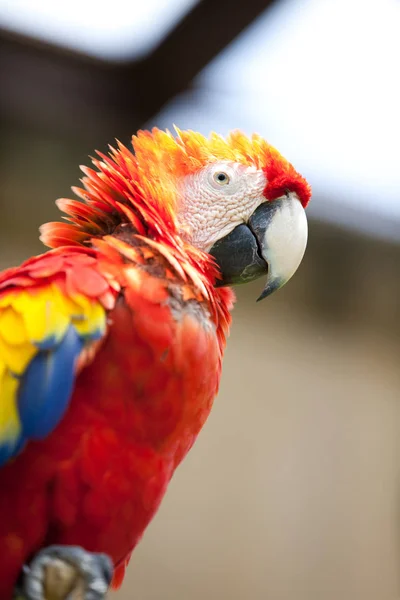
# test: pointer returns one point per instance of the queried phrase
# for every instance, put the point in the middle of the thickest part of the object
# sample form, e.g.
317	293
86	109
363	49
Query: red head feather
140	187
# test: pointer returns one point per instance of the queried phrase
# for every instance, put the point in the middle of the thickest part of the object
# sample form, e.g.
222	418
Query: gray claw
90	573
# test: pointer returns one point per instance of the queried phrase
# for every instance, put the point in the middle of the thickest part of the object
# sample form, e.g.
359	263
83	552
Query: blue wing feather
46	386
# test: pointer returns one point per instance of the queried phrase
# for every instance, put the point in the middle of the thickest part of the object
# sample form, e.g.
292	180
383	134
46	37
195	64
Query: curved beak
271	243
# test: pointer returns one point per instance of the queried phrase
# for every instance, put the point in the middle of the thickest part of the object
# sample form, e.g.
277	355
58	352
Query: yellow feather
98	317
83	327
12	328
66	304
87	316
82	301
10	426
16	358
93	321
42	319
39	314
6	300
20	301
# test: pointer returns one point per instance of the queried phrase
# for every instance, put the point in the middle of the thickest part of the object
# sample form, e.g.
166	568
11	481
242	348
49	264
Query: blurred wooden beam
44	86
50	88
200	36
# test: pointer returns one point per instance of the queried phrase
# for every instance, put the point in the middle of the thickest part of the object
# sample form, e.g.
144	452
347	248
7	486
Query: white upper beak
285	241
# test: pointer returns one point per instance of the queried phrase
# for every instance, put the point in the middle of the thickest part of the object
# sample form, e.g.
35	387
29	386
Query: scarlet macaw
111	343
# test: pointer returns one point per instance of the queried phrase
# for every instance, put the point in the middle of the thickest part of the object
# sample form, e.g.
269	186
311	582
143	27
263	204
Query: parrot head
233	202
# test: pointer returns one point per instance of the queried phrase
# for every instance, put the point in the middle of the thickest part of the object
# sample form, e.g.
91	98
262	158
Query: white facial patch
216	199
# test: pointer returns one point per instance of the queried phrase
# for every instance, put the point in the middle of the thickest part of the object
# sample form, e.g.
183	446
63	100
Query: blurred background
293	488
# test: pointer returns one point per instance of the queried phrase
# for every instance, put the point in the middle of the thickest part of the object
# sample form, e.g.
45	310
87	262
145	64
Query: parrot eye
221	178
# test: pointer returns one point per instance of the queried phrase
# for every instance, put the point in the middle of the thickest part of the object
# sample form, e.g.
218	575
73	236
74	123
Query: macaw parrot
111	342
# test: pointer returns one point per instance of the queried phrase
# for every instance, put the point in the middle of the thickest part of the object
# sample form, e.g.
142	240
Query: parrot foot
66	572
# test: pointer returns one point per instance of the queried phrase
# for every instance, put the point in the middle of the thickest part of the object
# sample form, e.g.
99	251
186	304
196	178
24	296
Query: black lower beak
238	257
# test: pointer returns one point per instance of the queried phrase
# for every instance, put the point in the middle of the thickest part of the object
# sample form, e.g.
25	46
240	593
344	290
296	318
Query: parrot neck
167	265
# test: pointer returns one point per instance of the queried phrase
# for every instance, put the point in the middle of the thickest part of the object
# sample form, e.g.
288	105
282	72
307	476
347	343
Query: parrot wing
53	312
